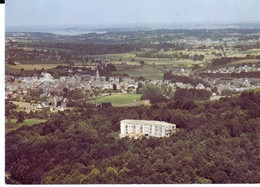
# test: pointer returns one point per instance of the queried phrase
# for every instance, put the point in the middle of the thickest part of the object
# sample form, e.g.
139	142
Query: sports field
117	99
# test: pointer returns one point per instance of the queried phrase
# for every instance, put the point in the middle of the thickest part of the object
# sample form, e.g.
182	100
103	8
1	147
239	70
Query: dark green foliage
195	94
106	105
152	93
226	92
142	63
216	142
184	104
9	107
21	116
226	60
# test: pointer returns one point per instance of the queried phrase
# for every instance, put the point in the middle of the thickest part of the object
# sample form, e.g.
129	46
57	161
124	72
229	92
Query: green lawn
11	121
21	104
11	125
118	98
31	122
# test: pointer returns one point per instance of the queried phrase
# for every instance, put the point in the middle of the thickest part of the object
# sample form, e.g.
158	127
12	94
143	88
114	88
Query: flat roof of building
150	122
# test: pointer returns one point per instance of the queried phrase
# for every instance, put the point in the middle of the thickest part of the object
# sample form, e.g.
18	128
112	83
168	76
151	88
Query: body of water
53	30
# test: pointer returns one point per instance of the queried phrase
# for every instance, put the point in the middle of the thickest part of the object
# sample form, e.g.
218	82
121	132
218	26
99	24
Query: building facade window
137	128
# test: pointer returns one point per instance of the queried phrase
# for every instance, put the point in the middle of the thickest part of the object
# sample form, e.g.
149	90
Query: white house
200	86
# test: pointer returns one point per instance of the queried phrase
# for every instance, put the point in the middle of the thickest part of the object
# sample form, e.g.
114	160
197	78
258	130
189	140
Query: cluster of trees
153	93
9	107
11	112
247	47
90	48
180	55
31	56
195	94
226	60
216	142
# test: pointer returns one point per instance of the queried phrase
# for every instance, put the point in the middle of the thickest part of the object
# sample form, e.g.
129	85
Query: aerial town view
132	92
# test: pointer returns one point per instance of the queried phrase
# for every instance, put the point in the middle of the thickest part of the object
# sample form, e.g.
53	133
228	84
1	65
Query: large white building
136	128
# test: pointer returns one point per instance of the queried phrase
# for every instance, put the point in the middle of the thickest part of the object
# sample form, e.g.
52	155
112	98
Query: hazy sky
117	12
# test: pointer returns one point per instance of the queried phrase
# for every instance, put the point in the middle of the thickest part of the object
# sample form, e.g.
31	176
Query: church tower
97	75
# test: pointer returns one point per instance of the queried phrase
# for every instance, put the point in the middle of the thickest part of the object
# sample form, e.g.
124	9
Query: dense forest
216	142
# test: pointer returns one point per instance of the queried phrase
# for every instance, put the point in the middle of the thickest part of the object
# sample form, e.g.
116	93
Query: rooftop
162	123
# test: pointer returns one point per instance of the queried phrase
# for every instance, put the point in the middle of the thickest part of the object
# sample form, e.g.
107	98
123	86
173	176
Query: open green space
21	104
10	124
146	71
33	121
117	99
239	62
30	66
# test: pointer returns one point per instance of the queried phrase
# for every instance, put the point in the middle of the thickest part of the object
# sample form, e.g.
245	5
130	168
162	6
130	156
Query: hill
216	142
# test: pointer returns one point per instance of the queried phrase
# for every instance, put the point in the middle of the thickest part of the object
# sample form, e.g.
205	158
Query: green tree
142	63
21	117
152	93
93	177
110	176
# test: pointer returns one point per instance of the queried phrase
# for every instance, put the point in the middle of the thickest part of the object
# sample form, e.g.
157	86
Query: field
21	104
169	64
11	124
30	66
239	62
117	99
146	71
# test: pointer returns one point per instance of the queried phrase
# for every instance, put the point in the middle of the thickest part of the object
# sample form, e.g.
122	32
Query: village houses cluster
233	69
17	88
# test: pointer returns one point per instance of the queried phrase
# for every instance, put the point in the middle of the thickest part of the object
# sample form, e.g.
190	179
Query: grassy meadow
117	99
146	71
21	104
30	66
10	124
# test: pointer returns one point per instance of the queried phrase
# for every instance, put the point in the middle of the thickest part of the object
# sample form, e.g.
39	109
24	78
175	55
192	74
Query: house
42	105
167	81
200	86
30	108
46	77
107	85
137	128
86	77
39	106
180	84
103	78
9	77
43	95
126	79
111	79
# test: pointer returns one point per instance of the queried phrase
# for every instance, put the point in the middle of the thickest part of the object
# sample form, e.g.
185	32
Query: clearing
12	125
117	99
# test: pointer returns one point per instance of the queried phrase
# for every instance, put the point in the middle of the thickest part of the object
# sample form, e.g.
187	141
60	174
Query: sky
129	12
